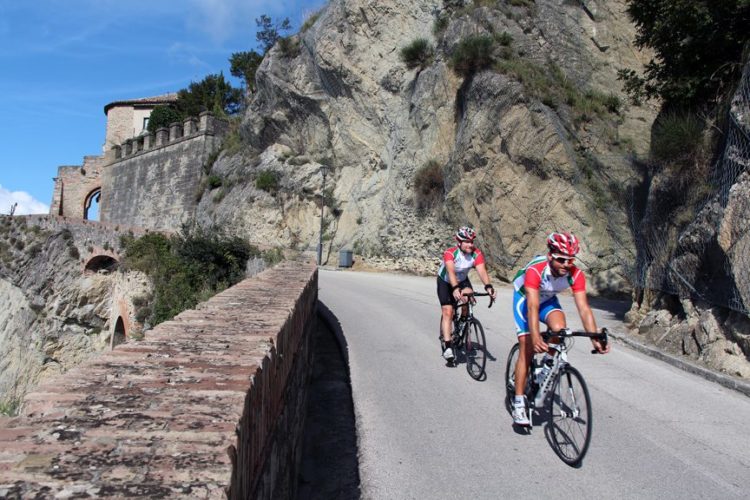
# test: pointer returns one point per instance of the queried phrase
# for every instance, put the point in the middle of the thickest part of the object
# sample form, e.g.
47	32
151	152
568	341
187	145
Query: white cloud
26	203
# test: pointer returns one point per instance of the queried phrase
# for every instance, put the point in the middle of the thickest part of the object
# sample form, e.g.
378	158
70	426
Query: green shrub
267	180
309	22
186	268
273	256
553	88
676	137
233	142
10	407
473	54
418	54
214	181
289	46
440	25
429	185
34	250
162	116
504	38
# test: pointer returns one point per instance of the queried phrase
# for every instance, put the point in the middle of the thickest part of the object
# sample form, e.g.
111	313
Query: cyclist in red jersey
535	301
453	281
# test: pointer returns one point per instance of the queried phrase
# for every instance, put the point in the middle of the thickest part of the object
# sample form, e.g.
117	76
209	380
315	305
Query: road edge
722	379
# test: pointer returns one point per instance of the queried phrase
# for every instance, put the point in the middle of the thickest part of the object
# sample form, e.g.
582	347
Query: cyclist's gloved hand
599	348
491	290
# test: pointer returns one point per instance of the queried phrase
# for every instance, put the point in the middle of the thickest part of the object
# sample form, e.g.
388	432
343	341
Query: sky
62	61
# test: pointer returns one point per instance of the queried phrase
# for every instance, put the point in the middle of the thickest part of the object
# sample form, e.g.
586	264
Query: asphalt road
427	431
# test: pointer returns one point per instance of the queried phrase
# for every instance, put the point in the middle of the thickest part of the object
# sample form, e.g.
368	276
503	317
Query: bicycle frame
468	337
538	393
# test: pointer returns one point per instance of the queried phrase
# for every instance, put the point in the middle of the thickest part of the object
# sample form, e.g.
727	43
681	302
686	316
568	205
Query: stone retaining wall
209	405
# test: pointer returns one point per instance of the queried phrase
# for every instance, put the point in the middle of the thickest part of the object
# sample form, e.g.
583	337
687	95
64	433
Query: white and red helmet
563	244
465	233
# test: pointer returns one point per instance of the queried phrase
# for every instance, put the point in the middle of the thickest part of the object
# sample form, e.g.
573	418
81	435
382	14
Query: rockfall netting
693	237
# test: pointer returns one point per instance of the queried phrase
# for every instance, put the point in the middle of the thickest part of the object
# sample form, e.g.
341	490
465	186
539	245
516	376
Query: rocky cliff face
53	315
518	158
694	252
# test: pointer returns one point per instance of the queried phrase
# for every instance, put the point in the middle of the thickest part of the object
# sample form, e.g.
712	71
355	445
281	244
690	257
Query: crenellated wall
154	179
149	181
208	405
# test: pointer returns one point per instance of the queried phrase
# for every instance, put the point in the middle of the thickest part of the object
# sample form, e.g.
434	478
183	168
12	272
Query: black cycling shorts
445	291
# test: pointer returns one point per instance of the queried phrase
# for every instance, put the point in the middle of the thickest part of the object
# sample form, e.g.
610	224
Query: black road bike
467	338
563	389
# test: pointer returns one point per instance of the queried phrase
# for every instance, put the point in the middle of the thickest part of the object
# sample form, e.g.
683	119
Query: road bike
467	337
562	387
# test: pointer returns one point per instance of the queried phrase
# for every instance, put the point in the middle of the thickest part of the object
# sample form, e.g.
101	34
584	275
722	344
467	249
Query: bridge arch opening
119	336
102	263
91	205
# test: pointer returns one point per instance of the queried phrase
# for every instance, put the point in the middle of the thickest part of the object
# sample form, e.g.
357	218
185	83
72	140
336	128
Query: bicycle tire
570	423
475	347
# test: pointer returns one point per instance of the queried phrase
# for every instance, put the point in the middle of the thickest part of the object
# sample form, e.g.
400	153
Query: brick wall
208	405
74	184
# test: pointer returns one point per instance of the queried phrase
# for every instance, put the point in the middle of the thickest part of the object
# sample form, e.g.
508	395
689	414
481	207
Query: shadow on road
329	464
617	308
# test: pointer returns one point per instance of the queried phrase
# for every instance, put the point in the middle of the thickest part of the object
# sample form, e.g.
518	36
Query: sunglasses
564	260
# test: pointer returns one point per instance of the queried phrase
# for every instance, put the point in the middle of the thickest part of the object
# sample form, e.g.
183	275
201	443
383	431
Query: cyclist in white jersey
453	281
535	301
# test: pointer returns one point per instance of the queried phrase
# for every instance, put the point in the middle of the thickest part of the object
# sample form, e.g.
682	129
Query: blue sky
61	61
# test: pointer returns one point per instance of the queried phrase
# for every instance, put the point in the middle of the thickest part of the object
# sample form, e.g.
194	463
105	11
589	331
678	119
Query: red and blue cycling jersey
537	275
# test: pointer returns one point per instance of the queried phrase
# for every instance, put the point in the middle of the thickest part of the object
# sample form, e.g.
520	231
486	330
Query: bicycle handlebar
478	294
567	332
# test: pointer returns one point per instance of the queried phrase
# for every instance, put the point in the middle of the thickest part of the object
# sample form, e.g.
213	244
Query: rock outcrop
694	252
518	159
53	314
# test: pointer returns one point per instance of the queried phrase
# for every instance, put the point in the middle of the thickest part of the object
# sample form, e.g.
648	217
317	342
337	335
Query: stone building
126	119
143	179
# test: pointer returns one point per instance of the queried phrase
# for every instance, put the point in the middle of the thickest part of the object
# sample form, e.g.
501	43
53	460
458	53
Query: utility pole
323	170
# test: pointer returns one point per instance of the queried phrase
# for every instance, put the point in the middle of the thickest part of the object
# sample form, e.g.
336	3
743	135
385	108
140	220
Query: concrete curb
725	380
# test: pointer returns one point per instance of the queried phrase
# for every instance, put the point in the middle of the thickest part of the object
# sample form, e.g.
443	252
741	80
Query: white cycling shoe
520	416
448	354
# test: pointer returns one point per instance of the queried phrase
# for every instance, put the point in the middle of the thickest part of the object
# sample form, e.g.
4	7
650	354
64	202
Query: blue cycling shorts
521	312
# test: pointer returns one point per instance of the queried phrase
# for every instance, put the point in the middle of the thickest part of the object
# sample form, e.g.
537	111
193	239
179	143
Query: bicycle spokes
570	413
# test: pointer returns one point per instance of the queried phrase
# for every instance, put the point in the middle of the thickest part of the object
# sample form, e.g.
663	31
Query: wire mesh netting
693	238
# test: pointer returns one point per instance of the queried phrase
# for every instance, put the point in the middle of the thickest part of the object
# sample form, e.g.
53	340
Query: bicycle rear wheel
475	348
569	407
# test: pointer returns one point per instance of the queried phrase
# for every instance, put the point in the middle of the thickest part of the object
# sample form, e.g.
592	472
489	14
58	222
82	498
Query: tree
244	65
698	47
213	93
162	116
268	34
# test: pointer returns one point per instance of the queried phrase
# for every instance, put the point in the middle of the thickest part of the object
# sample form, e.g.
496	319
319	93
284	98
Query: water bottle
537	377
460	325
545	368
545	379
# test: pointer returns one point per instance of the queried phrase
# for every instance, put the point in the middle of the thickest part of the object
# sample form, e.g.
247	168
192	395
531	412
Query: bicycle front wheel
569	408
476	349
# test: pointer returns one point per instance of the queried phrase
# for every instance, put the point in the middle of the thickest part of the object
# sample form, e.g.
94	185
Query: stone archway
119	336
91	204
101	263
